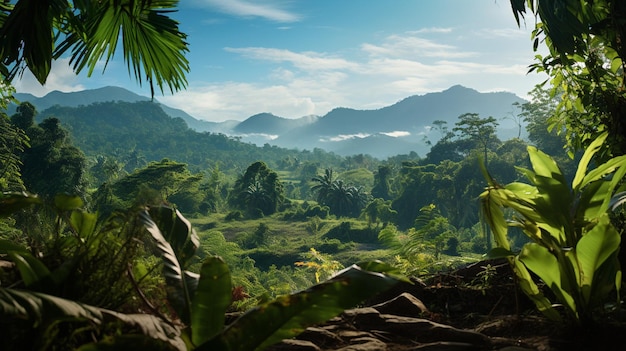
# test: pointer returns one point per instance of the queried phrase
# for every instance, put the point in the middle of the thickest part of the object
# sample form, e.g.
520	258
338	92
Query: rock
404	304
365	344
321	337
294	345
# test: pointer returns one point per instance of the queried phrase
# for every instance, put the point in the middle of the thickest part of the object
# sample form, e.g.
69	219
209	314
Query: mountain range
401	128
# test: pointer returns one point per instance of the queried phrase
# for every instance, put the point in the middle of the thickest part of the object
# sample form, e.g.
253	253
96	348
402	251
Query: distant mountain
405	125
400	128
267	123
107	94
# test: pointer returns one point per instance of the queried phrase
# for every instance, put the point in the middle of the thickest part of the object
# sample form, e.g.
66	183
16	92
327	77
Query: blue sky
297	58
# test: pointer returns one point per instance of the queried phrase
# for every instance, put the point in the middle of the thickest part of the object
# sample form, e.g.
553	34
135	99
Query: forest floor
478	307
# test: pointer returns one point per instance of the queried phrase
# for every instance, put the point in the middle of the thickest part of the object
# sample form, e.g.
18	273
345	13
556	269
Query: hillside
117	128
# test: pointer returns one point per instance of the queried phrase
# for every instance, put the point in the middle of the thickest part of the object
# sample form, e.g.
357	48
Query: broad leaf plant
573	245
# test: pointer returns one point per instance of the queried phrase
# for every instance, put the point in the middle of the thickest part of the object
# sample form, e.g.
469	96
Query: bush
345	233
234	216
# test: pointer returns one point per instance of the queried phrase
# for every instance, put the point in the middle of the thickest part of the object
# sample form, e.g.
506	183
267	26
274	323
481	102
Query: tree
479	131
52	165
381	187
32	34
342	199
587	44
259	190
24	118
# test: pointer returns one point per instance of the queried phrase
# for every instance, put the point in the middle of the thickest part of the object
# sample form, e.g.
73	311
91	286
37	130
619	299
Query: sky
303	57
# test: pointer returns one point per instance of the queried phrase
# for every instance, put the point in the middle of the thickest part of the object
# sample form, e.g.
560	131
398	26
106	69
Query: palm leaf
153	46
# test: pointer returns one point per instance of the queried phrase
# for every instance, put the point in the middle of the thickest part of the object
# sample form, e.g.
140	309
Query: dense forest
122	227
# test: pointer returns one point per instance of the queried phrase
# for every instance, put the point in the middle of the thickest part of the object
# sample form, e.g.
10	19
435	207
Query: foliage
78	258
586	47
322	264
158	182
379	210
574	246
51	164
258	191
208	294
478	131
342	199
13	142
33	34
382	183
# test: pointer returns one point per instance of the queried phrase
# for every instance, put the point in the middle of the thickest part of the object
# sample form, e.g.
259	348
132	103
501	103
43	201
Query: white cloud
342	137
397	134
267	9
369	76
410	46
61	78
431	30
308	61
233	100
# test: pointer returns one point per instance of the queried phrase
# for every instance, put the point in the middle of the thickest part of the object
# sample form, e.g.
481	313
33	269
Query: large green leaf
581	171
212	298
177	231
530	288
153	46
83	223
32	270
593	249
41	310
545	265
13	202
289	315
175	277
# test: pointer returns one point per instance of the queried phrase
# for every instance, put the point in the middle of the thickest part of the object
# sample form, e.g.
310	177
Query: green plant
323	264
200	300
574	246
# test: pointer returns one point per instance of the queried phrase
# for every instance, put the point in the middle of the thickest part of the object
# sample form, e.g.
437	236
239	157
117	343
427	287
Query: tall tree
381	188
477	130
52	165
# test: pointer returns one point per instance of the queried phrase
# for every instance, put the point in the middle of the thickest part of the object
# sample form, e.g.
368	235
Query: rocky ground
460	311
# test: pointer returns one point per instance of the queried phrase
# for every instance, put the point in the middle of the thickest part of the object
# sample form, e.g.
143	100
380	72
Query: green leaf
591	150
212	298
41	310
499	252
593	249
175	277
289	315
177	230
84	223
13	202
32	270
7	245
382	267
545	265
528	286
64	202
